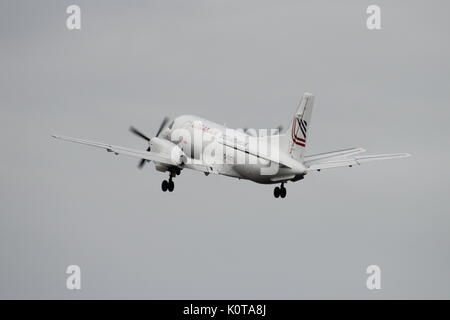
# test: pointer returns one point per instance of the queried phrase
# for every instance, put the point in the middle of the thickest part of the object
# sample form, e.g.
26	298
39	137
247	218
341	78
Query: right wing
153	156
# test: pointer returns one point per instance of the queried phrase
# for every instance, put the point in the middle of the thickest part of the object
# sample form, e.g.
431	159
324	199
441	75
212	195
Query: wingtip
407	155
402	155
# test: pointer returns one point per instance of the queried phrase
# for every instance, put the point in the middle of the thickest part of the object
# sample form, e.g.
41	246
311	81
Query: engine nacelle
168	149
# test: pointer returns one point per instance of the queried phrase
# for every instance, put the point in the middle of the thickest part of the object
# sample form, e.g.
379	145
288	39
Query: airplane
241	155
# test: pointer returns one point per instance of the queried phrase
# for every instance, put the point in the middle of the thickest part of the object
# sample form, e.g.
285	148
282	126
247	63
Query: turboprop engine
168	149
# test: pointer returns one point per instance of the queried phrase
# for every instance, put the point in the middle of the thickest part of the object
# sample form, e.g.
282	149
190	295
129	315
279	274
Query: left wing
148	155
348	161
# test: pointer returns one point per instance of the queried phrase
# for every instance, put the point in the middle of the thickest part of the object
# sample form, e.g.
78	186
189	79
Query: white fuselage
240	155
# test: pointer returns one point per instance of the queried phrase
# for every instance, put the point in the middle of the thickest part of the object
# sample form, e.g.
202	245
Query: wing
153	156
349	160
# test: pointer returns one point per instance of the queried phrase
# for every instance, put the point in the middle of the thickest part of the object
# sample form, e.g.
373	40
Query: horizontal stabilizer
349	161
326	156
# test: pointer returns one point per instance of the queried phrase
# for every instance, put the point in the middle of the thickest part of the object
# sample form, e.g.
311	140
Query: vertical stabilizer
296	137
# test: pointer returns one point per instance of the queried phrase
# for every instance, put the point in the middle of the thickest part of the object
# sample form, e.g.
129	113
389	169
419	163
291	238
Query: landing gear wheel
276	192
165	186
170	186
282	192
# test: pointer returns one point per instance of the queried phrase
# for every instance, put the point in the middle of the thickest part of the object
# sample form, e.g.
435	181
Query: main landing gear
169	185
279	191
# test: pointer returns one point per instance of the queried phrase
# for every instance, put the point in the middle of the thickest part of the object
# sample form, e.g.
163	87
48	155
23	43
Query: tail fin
297	134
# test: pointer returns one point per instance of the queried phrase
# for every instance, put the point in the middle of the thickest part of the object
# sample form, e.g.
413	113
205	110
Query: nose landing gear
279	191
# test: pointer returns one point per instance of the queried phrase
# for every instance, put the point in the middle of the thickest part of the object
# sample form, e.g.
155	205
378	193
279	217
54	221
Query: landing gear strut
169	185
280	191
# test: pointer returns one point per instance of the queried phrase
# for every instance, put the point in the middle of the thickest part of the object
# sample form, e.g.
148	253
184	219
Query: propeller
163	124
143	136
139	134
143	161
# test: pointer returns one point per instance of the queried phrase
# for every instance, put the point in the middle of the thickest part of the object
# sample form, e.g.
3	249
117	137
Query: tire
164	185
276	192
283	192
170	186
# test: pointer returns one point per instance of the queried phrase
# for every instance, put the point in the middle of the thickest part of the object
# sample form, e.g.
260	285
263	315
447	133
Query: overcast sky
243	63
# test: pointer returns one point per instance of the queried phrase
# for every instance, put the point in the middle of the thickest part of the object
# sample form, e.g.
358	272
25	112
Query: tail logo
299	126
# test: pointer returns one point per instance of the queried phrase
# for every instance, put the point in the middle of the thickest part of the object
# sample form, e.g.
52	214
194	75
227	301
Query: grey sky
243	63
